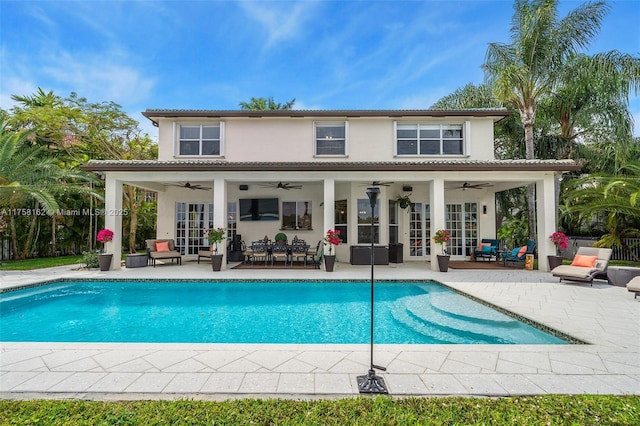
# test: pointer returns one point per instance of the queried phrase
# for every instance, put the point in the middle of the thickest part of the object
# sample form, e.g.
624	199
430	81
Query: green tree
266	104
528	69
30	180
616	198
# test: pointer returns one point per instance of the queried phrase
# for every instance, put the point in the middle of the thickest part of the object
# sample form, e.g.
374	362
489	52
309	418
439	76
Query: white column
329	202
220	213
113	217
438	218
546	217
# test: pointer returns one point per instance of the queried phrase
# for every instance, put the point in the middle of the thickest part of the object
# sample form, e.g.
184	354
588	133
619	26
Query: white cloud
282	21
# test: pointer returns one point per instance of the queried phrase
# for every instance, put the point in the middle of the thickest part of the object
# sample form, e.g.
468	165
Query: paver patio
605	316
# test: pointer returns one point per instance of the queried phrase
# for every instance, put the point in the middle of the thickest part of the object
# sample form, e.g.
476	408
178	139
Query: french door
191	221
462	222
419	230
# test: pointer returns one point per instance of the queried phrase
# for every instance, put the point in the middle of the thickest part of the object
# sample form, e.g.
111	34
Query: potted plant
332	238
403	201
442	237
215	236
560	240
280	236
104	258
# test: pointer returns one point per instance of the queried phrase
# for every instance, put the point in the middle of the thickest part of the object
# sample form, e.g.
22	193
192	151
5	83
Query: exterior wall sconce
484	209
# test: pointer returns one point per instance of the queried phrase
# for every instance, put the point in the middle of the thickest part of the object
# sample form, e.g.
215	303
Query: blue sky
215	54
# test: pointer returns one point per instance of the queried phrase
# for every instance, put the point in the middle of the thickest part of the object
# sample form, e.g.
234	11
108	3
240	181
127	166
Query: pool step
452	319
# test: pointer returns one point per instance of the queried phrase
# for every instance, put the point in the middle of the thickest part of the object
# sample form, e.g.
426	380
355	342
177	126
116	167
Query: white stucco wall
292	139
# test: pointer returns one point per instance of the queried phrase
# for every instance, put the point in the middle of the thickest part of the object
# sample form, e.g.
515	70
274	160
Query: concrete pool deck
605	316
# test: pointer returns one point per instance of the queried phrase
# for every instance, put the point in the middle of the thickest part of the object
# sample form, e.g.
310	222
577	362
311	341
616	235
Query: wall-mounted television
259	209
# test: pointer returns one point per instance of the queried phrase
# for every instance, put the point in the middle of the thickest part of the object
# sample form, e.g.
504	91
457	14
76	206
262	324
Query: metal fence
616	254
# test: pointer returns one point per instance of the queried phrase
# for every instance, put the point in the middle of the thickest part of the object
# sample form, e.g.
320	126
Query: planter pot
329	262
104	260
216	262
443	263
554	261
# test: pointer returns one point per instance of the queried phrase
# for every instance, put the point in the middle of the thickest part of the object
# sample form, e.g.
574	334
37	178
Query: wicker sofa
162	249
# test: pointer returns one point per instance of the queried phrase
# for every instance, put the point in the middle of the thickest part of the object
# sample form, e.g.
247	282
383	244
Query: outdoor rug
276	265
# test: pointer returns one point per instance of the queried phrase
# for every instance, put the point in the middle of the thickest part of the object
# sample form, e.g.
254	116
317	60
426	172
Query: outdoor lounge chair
162	249
487	249
634	286
518	254
588	264
204	253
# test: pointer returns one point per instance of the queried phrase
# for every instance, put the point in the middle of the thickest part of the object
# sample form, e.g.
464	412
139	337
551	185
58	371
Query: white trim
331	123
466	136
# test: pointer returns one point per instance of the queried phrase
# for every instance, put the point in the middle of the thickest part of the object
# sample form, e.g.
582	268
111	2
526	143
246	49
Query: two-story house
258	173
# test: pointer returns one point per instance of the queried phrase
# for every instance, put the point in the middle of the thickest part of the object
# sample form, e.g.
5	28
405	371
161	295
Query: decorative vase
216	262
554	261
443	262
104	260
329	262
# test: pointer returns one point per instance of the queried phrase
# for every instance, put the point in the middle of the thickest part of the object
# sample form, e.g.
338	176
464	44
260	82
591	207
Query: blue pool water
254	312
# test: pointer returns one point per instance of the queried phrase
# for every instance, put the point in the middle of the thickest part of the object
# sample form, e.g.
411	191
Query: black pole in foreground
372	383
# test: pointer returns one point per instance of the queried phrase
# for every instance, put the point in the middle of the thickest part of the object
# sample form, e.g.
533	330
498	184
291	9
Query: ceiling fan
281	185
189	185
378	183
468	185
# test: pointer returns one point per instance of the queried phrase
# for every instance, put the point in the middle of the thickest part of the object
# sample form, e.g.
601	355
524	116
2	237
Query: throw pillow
487	248
584	261
522	251
162	246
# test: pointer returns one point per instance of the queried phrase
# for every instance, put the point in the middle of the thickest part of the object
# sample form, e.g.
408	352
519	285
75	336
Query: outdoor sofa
162	249
487	249
588	264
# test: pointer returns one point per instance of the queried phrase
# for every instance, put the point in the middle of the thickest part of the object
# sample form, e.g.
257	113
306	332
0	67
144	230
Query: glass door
191	221
462	222
419	230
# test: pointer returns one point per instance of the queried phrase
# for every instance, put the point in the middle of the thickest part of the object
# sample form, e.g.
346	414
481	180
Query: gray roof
426	165
152	114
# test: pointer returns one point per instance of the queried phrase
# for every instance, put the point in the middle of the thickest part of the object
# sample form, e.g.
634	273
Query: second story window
199	140
429	139
330	139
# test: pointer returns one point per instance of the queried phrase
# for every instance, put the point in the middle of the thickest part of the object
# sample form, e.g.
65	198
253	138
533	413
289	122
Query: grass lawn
39	262
536	410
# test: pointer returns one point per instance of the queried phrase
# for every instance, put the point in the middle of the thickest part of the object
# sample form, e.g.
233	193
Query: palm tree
616	198
528	69
266	104
30	178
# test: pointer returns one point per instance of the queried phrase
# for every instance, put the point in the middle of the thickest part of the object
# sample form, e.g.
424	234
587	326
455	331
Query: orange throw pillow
522	251
162	246
584	261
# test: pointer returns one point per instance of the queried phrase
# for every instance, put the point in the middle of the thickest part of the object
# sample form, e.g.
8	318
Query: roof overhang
390	166
155	114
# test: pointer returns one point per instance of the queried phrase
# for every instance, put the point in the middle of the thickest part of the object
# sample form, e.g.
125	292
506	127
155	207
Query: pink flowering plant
215	236
560	240
442	237
332	239
105	236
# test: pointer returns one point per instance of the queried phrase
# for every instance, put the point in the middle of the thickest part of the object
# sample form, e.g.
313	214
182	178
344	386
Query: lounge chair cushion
584	261
634	285
571	271
162	246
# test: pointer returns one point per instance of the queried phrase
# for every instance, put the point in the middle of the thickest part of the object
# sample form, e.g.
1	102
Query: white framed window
364	222
330	138
199	140
416	139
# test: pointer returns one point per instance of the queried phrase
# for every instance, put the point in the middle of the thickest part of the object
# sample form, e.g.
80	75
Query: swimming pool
255	312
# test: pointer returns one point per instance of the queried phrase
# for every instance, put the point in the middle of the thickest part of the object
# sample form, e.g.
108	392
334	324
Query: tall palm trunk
528	118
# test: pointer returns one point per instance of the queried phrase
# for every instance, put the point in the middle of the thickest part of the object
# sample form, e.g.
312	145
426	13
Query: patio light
372	383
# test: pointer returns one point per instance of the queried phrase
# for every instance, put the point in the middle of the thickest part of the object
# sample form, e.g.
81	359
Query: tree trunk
32	228
531	188
14	239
